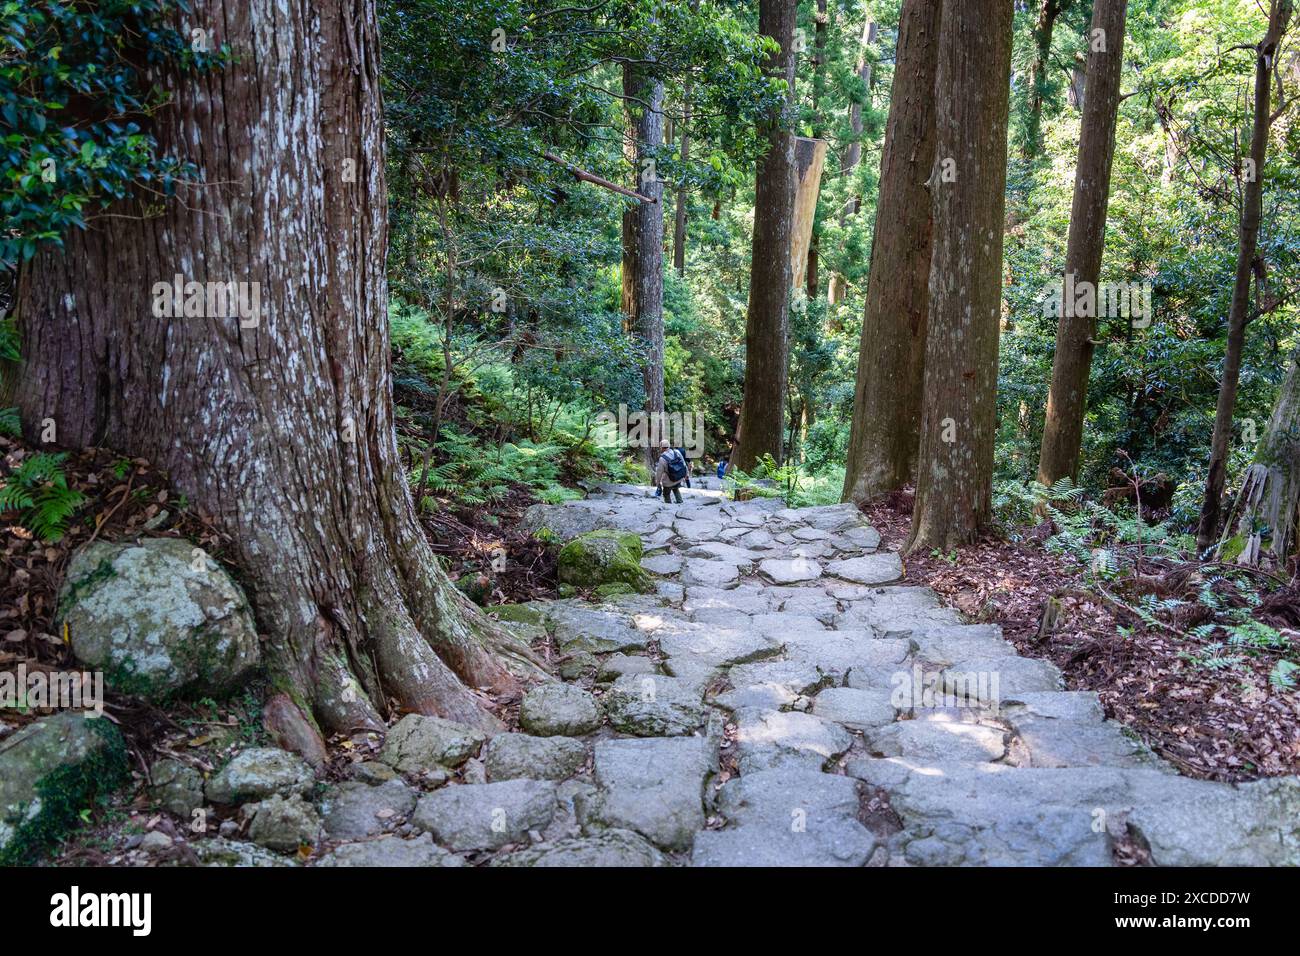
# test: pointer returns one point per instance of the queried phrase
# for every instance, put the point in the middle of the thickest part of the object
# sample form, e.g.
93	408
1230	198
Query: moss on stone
66	790
517	614
604	557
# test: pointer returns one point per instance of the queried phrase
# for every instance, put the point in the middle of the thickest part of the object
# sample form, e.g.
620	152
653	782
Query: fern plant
39	488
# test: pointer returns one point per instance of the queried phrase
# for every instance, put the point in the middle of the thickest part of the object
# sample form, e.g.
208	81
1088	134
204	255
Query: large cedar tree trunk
643	236
1247	241
1067	398
891	357
955	463
283	433
767	322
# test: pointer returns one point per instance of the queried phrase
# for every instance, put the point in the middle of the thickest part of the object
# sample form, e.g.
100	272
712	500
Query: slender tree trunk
680	213
1247	241
821	21
1267	509
955	464
891	357
1044	26
643	236
281	431
767	322
853	156
1067	398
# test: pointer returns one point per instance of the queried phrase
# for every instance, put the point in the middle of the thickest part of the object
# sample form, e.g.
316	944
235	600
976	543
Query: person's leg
677	492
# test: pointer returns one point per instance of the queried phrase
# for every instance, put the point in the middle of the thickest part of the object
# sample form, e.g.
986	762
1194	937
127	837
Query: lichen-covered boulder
49	772
283	823
159	617
417	743
559	710
603	558
259	773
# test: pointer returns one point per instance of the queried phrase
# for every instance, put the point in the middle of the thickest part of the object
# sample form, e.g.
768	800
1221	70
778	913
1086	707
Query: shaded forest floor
1218	724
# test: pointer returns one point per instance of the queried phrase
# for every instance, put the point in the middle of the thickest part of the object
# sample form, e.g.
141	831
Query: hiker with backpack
670	471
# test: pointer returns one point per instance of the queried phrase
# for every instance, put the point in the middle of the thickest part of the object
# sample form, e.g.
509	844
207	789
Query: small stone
559	710
259	773
647	706
609	848
789	570
391	851
856	709
518	756
156	842
352	811
486	816
416	743
177	787
283	823
372	771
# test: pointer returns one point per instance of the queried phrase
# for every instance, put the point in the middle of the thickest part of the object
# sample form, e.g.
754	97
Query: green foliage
75	97
474	474
39	488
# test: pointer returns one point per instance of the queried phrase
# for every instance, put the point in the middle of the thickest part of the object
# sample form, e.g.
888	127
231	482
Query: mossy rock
49	772
614	589
602	558
517	614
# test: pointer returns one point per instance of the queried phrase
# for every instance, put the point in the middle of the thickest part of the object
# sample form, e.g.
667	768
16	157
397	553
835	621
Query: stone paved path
783	701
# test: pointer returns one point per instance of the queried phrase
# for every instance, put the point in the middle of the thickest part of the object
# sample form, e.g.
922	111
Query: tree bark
1067	397
1267	509
1044	26
891	357
767	320
821	21
955	462
643	236
1247	241
282	432
853	156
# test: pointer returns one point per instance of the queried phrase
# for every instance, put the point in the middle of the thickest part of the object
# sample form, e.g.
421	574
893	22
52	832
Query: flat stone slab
783	622
771	739
523	756
826	517
769	685
855	709
663	563
352	810
1049	742
718	551
654	706
1003	675
559	710
391	851
789	570
717	646
709	573
840	652
654	786
938	741
598	630
616	665
841	842
868	569
486	816
608	848
746	600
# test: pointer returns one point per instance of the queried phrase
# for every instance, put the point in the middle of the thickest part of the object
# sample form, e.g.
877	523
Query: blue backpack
677	469
722	468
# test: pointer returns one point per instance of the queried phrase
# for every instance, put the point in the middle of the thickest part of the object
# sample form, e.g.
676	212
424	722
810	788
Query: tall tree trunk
281	431
955	463
643	236
853	155
1067	398
1268	508
680	212
1044	26
821	22
1247	240
891	357
767	321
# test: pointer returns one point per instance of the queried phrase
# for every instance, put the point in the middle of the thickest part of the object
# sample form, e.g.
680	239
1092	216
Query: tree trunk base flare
886	424
1267	510
237	337
959	423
